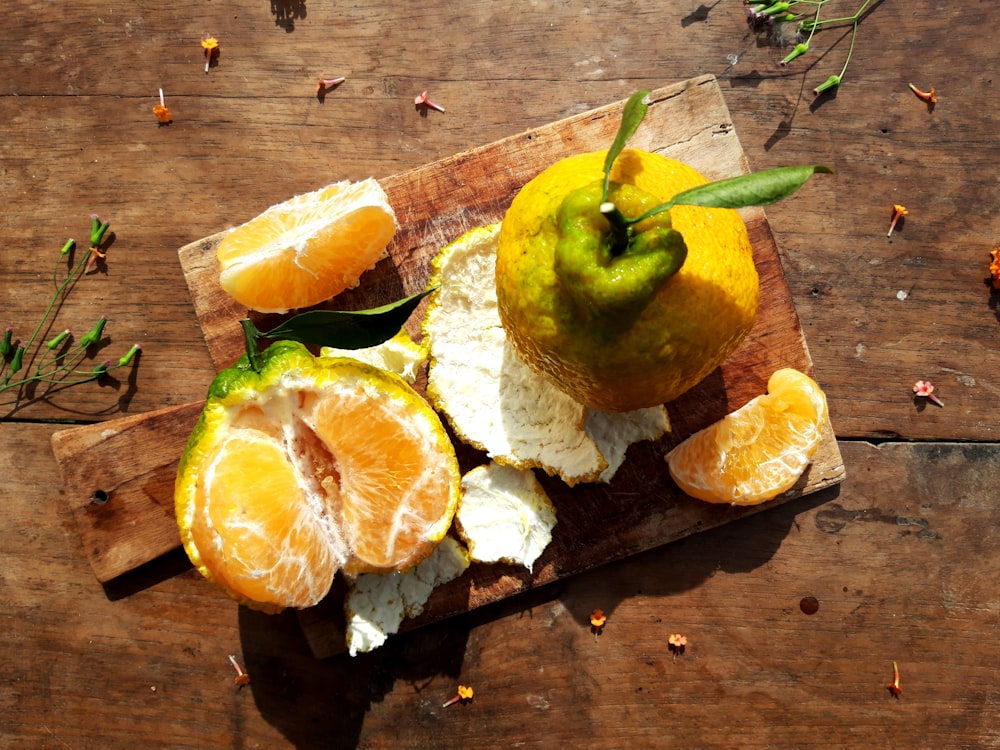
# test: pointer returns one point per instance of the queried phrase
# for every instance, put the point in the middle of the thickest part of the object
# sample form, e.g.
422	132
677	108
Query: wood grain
92	666
640	509
905	574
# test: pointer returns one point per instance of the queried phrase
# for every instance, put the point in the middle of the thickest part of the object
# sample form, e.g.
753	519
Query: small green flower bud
129	355
15	363
68	246
800	49
92	336
102	369
829	83
97	230
8	341
776	8
57	340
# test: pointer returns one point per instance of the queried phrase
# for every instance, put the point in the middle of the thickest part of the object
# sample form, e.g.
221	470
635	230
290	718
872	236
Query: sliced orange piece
311	466
758	451
308	249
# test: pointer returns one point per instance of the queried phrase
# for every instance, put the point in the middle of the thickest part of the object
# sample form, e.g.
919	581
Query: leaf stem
621	232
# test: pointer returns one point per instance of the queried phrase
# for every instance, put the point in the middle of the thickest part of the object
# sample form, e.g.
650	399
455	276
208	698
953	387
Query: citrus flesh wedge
310	466
492	399
758	451
307	249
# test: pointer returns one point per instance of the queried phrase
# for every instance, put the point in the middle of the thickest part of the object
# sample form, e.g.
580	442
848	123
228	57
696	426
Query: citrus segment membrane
308	467
376	604
504	515
307	249
758	451
492	399
255	516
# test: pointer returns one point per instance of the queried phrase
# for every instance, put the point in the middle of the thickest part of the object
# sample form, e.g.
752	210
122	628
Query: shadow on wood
322	703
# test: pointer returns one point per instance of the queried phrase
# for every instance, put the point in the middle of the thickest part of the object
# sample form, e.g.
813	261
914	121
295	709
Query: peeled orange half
758	451
308	249
307	467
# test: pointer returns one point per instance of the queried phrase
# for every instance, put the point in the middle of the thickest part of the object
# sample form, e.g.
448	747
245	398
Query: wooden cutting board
119	475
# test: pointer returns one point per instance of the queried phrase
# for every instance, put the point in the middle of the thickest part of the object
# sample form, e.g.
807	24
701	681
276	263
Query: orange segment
390	491
308	249
309	467
258	531
758	451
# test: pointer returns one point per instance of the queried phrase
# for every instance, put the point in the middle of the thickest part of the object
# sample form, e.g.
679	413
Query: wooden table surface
901	558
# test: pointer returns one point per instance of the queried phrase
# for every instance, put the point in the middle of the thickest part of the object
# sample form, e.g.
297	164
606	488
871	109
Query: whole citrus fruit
309	466
607	351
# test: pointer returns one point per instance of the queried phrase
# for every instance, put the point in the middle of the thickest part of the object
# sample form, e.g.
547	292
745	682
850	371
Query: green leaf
358	329
757	189
632	115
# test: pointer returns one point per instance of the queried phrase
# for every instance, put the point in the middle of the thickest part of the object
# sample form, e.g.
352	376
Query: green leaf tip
633	114
757	189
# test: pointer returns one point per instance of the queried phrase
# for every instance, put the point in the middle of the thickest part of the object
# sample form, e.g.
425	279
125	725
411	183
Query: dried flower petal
898	212
464	694
995	267
927	96
242	678
422	101
598	618
162	111
925	389
893	686
328	83
211	46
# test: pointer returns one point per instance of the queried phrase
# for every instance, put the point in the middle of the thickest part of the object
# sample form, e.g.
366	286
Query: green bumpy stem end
612	284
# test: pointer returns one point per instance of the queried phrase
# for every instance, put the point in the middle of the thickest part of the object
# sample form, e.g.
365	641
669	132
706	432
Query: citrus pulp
307	249
307	467
758	451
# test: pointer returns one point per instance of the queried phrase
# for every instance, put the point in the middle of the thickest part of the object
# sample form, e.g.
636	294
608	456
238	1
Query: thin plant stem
54	364
850	50
845	19
61	290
